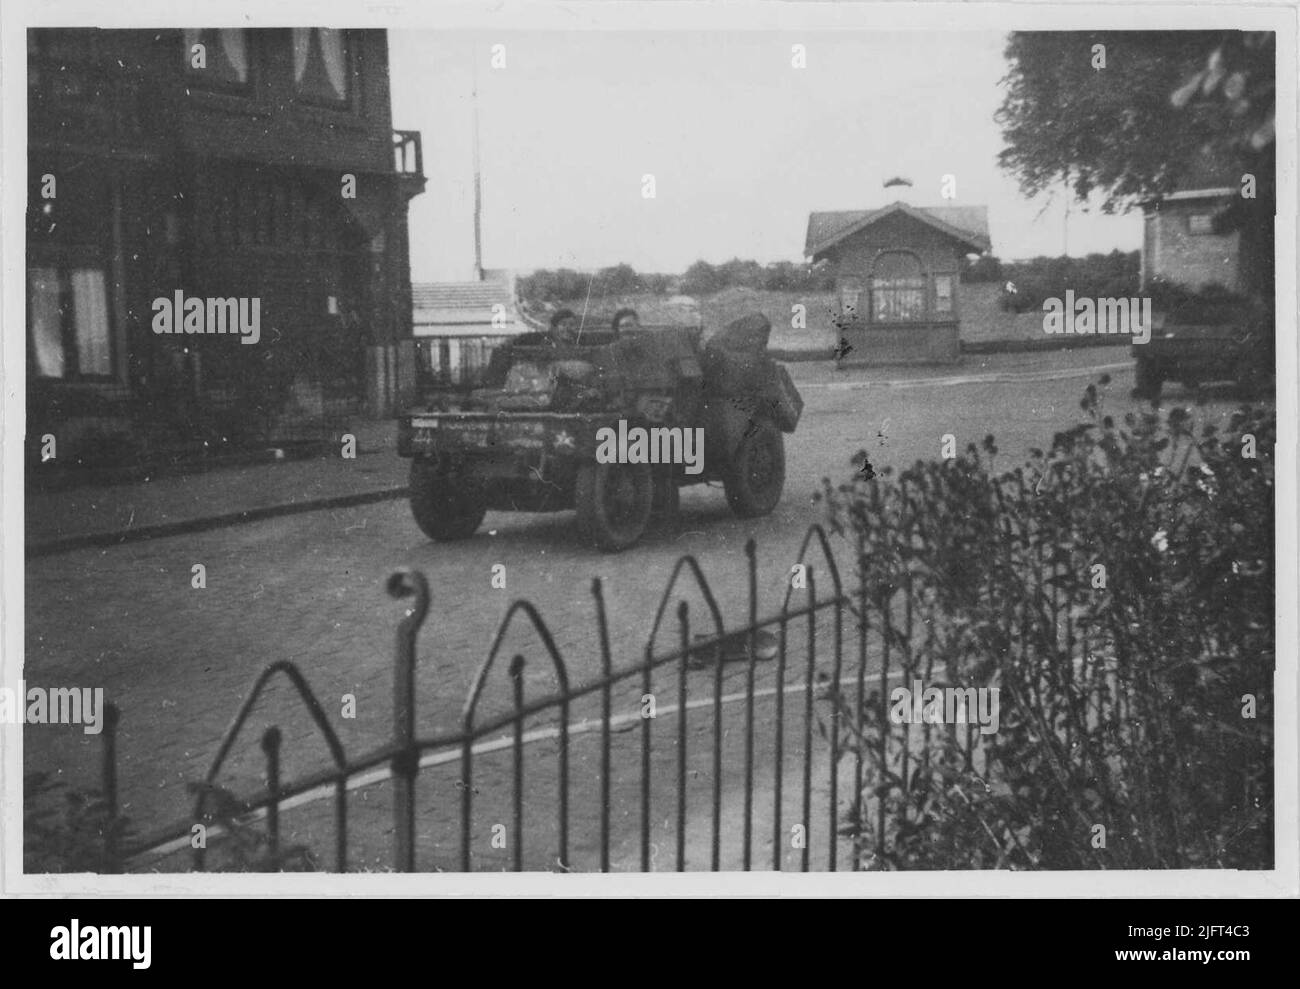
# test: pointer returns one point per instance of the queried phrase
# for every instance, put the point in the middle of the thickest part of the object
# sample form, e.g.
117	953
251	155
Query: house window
850	297
320	64
224	63
1200	224
897	289
943	295
68	328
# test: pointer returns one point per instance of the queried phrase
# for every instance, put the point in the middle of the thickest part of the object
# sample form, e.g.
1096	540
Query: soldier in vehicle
564	326
626	319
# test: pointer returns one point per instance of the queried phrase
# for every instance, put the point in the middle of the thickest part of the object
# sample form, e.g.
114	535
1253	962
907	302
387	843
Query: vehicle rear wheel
755	476
445	507
1148	382
613	503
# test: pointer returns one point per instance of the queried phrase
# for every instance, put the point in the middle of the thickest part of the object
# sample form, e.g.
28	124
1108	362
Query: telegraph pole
478	180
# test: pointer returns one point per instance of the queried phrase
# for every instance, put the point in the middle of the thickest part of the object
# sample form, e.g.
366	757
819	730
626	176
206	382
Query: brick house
222	163
1183	240
896	277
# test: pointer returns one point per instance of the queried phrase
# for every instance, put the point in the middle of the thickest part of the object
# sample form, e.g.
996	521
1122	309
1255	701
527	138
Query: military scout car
607	426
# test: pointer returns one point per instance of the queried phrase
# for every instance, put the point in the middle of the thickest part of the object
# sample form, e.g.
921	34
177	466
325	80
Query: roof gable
967	224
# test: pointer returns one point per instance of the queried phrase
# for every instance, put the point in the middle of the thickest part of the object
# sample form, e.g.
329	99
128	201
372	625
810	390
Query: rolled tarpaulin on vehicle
735	358
749	334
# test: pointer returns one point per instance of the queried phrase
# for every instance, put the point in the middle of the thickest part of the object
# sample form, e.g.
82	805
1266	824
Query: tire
755	476
1148	382
444	506
613	503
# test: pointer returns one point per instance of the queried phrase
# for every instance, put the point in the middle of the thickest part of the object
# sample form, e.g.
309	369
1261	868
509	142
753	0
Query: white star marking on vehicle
563	439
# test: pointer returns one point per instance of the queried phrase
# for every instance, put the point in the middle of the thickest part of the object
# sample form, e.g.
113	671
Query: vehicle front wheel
755	476
444	505
613	503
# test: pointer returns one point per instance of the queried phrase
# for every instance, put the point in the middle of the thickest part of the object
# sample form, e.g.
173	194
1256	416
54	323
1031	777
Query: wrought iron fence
399	760
993	602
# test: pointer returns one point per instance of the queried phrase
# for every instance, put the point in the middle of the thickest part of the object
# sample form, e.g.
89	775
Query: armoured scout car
539	432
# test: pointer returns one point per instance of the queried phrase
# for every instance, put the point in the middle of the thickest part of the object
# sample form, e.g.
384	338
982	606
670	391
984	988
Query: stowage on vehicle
611	425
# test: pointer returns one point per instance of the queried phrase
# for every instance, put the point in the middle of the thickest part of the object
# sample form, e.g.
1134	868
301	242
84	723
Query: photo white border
664	15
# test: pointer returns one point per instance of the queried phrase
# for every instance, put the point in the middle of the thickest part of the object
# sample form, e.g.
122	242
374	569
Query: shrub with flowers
1118	590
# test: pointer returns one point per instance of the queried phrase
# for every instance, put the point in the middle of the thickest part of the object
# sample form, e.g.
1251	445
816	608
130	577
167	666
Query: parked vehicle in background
1207	338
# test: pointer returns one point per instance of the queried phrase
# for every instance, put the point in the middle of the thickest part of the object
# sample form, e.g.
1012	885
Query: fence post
109	782
684	628
751	556
271	746
810	674
883	731
406	583
517	683
859	823
606	668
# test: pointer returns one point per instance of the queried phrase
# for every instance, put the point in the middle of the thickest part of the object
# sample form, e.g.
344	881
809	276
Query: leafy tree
782	276
657	284
562	285
1105	276
1163	105
985	268
745	274
701	278
621	279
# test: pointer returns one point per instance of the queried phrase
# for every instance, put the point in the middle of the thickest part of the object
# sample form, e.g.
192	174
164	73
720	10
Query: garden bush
1136	713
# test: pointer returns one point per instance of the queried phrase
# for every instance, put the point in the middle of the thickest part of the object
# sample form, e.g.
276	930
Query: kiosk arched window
897	288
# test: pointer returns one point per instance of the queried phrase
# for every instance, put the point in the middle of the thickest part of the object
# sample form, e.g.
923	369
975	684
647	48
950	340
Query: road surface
310	589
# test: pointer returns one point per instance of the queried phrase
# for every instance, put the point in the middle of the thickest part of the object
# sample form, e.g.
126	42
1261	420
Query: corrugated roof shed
462	308
458	295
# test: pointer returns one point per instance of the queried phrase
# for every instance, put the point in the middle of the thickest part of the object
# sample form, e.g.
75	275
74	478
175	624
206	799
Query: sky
741	145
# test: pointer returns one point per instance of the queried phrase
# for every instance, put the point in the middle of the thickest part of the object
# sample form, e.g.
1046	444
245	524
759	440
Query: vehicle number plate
469	433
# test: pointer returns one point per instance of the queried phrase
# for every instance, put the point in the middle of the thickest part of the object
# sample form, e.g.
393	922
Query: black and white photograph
814	443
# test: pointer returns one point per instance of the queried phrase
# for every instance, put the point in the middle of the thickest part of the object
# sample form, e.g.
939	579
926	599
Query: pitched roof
459	295
968	224
462	309
1216	193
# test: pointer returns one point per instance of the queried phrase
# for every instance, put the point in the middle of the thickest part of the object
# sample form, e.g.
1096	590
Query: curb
979	378
967	347
120	537
69	478
1032	346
